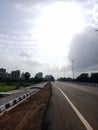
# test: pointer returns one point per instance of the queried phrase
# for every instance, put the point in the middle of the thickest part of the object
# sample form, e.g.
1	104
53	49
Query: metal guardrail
87	84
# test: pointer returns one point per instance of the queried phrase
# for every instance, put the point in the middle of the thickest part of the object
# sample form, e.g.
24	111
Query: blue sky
46	35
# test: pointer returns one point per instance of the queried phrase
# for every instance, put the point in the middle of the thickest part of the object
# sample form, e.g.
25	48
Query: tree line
83	77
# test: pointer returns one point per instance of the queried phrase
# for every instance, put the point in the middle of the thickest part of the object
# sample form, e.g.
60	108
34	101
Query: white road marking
81	117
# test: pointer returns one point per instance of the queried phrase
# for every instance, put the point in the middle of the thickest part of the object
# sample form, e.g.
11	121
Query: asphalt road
72	107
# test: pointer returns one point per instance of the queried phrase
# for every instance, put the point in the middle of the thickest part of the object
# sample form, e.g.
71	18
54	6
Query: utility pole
64	72
73	68
57	75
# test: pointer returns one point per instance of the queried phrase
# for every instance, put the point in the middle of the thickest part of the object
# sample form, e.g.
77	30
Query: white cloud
20	48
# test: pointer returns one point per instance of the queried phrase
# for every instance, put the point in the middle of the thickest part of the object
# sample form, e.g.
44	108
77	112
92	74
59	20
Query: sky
46	35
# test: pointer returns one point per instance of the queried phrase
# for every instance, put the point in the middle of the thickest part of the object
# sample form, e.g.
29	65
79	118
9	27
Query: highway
72	107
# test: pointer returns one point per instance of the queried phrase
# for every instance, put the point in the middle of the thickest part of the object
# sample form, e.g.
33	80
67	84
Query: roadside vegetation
12	85
83	77
4	87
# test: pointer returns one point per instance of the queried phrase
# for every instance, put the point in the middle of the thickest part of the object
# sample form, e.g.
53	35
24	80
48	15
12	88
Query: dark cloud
84	50
26	54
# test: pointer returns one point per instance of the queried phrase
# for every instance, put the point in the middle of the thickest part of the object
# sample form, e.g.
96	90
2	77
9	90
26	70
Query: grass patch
5	88
23	84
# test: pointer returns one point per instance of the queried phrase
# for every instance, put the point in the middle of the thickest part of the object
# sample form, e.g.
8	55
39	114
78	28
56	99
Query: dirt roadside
29	114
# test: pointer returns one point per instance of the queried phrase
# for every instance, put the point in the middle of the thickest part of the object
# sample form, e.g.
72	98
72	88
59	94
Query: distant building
2	70
15	75
8	76
49	77
2	73
23	76
39	75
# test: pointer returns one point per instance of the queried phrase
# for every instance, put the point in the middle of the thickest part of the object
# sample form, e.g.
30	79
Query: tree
49	78
27	75
94	78
84	77
65	79
38	80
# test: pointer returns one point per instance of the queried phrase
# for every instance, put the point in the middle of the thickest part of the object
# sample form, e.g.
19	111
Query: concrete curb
15	101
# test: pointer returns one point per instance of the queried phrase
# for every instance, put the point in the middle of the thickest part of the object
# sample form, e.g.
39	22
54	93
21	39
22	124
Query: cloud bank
84	50
19	48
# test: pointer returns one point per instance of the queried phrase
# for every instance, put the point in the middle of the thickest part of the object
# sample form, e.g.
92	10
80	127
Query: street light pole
64	72
73	68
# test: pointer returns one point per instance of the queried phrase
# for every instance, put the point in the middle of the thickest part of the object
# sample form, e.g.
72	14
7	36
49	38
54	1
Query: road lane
85	101
81	117
88	89
60	115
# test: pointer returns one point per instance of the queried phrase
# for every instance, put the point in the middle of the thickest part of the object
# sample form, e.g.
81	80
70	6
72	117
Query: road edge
44	125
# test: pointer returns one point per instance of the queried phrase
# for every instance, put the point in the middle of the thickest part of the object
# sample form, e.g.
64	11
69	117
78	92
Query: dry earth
29	114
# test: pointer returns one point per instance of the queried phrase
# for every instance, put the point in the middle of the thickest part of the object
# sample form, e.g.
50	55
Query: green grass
4	87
